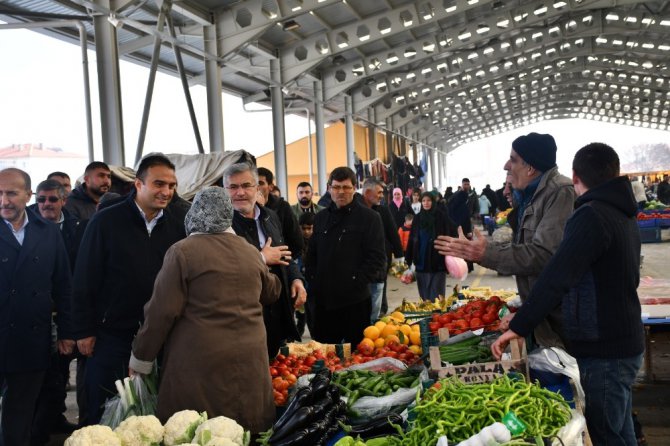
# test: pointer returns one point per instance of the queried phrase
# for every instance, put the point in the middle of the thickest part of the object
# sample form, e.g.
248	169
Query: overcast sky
42	102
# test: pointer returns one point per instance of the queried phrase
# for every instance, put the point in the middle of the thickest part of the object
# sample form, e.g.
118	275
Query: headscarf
427	218
397	201
211	212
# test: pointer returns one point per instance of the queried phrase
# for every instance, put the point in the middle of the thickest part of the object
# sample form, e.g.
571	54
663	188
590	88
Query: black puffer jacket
346	253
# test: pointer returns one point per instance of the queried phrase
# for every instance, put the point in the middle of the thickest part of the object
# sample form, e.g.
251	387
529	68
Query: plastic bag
457	267
369	407
557	360
408	277
571	433
136	396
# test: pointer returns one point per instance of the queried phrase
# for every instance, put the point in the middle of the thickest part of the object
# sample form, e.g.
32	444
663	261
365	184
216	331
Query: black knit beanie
538	150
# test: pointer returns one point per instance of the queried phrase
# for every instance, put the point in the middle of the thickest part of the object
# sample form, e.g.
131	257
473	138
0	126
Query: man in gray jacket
545	200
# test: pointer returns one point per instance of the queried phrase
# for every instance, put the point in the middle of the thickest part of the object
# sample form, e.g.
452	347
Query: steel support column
372	134
184	85
320	137
278	130
155	55
109	88
349	130
214	93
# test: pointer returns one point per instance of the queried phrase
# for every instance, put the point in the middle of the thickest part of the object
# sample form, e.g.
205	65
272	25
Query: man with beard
260	226
83	200
304	194
120	255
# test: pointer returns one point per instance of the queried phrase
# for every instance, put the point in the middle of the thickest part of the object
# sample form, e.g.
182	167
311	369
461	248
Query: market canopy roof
441	71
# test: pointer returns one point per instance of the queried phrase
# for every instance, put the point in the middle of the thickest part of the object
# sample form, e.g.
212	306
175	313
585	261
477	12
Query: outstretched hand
471	250
275	255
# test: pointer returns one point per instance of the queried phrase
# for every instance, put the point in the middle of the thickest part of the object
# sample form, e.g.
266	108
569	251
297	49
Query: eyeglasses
51	198
236	187
339	188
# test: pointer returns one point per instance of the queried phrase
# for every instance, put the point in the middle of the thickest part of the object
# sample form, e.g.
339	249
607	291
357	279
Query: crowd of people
212	289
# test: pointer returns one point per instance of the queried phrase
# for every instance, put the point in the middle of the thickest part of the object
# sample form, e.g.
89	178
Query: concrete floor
651	399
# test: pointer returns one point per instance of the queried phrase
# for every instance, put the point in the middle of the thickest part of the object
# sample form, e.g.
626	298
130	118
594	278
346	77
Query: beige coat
207	312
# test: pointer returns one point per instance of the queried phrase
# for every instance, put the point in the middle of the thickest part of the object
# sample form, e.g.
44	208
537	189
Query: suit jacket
34	282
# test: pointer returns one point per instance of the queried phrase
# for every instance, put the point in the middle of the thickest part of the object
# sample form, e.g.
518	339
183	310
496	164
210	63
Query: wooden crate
486	371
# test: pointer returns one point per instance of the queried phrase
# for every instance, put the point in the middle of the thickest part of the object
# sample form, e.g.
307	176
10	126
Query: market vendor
206	311
544	200
594	274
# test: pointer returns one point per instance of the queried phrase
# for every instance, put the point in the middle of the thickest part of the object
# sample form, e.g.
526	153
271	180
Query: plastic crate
663	222
651	223
650	235
427	338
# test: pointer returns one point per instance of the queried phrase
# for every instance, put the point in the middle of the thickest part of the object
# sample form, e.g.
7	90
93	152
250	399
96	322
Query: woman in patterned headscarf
206	313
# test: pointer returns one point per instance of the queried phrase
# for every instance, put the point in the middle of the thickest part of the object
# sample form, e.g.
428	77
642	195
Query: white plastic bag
136	396
557	360
571	433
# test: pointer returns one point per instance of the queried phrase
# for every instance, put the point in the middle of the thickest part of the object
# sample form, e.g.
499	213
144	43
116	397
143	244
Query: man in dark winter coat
260	226
594	274
82	202
120	255
34	281
346	253
491	195
288	220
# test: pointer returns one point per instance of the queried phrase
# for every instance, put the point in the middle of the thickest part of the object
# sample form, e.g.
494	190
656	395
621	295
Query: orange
390	329
415	349
398	316
368	342
406	330
415	338
391	338
379	342
371	332
380	325
416	327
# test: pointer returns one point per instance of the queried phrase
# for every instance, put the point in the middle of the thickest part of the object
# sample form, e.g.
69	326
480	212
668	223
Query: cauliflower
213	432
181	426
220	441
96	435
143	430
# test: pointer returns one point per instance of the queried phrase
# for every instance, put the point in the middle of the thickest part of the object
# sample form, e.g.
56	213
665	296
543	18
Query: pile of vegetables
459	411
358	383
471	316
466	351
286	369
311	417
407	354
184	427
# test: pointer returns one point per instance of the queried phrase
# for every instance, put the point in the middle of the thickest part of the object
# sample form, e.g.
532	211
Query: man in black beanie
544	200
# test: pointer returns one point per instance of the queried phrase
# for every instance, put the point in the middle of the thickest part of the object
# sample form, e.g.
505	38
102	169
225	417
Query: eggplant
319	388
302	398
334	392
377	427
299	420
322	406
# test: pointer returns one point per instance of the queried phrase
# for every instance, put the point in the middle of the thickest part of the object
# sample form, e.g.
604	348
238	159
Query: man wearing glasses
260	226
346	253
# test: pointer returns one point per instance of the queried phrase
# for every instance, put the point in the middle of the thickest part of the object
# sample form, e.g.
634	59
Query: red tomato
478	314
309	361
402	357
392	355
461	325
365	348
280	358
495	299
273	372
435	317
445	319
489	318
475	323
434	326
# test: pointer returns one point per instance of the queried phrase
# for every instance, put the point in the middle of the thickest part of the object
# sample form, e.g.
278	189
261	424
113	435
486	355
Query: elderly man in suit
34	281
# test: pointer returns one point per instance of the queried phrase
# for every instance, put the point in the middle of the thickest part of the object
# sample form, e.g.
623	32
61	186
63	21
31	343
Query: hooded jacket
594	274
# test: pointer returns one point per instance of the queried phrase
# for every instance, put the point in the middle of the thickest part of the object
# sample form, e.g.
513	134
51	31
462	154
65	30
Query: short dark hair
95	165
57	174
416	190
465	180
409	216
595	164
48	185
263	172
341	174
24	175
304	184
152	161
306	218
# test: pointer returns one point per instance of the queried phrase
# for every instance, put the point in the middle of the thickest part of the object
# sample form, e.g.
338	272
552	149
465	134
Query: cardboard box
482	372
